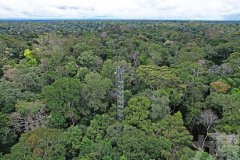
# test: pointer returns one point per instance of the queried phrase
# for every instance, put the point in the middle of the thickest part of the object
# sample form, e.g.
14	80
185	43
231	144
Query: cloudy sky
122	9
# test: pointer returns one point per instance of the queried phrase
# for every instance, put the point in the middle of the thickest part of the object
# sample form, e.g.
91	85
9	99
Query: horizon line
115	19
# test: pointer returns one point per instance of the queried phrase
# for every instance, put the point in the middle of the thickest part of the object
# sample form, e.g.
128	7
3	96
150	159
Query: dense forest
59	90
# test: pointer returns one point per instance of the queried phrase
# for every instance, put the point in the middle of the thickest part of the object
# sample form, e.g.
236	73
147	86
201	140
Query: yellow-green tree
31	61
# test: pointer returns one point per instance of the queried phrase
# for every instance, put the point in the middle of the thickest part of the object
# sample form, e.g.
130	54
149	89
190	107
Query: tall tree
63	98
95	91
7	134
39	144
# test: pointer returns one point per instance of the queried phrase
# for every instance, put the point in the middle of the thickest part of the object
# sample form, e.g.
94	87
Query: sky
121	9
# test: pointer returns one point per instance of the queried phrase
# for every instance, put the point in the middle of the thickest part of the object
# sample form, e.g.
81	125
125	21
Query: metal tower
120	92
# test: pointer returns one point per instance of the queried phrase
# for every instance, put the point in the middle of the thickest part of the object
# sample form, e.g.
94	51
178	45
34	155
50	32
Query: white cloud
123	9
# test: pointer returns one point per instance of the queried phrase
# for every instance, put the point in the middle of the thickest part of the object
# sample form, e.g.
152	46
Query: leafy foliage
58	89
39	144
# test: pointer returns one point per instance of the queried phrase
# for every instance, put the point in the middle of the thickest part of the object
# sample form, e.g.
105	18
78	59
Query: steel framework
120	91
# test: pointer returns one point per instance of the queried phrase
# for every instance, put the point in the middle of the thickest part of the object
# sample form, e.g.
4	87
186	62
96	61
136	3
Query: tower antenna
120	91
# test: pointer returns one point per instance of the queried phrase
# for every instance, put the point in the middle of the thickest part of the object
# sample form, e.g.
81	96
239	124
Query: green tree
39	144
159	55
71	68
137	112
73	140
172	128
136	144
7	134
222	103
81	73
93	144
95	91
29	79
192	53
235	92
63	98
223	50
9	95
160	106
89	60
201	155
234	61
157	77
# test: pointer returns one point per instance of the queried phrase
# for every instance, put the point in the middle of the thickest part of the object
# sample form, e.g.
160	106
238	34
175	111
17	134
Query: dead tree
208	118
29	121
